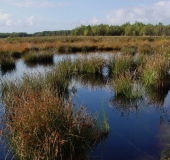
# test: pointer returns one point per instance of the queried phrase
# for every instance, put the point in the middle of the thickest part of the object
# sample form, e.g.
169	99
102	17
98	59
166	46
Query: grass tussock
91	64
121	64
7	63
125	86
39	57
155	72
44	125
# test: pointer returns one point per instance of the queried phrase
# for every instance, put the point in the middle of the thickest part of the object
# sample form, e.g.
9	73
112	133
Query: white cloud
158	12
30	21
36	3
6	19
92	21
9	20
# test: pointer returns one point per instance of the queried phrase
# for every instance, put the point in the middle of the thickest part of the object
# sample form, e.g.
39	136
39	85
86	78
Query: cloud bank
158	12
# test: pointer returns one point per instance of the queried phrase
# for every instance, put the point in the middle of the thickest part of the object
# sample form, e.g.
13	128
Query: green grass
124	86
120	64
90	65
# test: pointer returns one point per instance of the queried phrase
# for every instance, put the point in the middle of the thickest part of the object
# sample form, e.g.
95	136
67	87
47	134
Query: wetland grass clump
16	54
155	71
93	64
43	125
7	63
125	86
39	57
121	63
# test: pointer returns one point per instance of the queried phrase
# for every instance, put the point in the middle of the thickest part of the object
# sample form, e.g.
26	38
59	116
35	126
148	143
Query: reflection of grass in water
91	80
126	105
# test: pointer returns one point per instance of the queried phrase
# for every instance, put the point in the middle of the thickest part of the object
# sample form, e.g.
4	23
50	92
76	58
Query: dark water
139	130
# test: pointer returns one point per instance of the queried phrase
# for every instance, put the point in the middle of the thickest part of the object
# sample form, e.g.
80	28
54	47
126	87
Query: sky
48	15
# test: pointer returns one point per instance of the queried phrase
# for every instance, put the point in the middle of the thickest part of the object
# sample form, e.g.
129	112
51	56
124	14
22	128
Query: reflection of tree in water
125	106
91	80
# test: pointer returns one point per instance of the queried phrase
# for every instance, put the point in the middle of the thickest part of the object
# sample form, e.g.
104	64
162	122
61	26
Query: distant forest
127	29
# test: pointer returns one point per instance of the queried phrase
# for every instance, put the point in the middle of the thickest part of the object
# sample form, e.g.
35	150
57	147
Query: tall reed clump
92	64
39	57
121	63
7	63
43	125
155	72
125	86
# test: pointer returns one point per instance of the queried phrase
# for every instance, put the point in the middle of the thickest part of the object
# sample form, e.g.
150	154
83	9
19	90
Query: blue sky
43	15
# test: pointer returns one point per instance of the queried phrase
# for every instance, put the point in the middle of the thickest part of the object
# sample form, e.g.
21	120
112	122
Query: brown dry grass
22	45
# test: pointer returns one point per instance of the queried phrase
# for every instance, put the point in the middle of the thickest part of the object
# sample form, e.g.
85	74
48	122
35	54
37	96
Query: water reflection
125	106
91	80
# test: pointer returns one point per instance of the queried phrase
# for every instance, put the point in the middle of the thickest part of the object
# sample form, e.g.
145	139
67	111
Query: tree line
126	29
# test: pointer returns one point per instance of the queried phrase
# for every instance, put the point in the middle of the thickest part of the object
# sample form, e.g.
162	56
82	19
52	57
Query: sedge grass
124	86
92	64
39	57
7	63
121	64
43	125
155	71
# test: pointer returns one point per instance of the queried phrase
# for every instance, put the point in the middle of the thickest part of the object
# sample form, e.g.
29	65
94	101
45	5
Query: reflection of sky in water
135	133
132	136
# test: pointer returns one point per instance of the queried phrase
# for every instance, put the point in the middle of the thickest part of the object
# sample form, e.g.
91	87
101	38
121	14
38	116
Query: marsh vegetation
42	120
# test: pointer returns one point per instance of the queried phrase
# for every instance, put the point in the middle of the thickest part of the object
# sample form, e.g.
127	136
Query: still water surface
138	130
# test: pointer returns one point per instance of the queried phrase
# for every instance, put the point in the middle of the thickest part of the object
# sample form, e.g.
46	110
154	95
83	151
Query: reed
7	63
121	64
155	72
39	57
44	125
92	64
125	86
